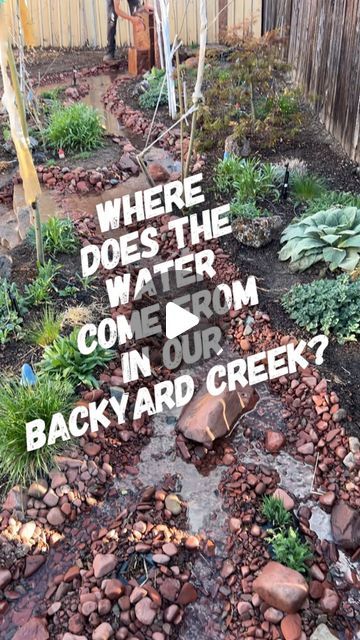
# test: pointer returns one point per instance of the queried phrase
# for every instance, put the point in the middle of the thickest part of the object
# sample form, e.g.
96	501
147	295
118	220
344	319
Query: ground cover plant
20	404
249	179
58	236
39	290
155	84
63	359
13	307
74	128
332	199
330	307
306	188
331	236
275	513
288	549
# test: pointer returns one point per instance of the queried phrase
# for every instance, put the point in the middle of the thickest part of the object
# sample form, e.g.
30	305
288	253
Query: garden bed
183	524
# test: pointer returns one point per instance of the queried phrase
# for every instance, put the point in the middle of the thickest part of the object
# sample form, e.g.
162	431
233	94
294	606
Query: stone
244	610
72	636
306	449
161	558
287	500
345	526
173	504
113	589
234	525
188	594
51	499
16	500
33	564
71	574
274	441
27	531
35	629
291	627
103	632
144	612
38	489
208	417
227	569
169	589
273	615
5	578
55	517
104	564
171	612
281	587
328	499
257	232
158	173
330	601
322	632
170	549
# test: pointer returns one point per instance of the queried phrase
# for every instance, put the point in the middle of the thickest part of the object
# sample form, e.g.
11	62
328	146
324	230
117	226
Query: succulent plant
331	236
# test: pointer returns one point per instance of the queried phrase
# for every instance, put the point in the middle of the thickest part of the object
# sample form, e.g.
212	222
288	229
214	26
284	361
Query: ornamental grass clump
46	329
63	359
58	236
74	128
331	236
248	179
20	404
289	550
330	307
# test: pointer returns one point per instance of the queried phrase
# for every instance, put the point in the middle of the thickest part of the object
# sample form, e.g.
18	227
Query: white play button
178	320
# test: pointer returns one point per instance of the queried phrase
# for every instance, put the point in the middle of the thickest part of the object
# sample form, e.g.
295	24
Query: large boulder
208	417
281	587
345	525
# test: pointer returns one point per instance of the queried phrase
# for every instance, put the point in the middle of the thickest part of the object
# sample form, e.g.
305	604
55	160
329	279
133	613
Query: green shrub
249	179
332	199
12	310
275	513
149	99
18	405
306	188
39	290
248	210
46	329
290	550
331	236
330	307
74	128
64	359
58	236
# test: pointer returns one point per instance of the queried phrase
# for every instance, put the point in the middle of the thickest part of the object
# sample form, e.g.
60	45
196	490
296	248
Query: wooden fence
324	50
81	23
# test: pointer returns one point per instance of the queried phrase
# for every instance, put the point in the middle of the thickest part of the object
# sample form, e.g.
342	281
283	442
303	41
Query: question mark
324	341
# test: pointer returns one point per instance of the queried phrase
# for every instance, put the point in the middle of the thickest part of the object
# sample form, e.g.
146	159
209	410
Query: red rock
103	632
72	636
274	441
281	587
345	525
104	607
285	498
227	569
273	615
158	173
192	543
144	612
35	629
161	558
291	627
76	623
71	574
113	589
234	525
244	610
330	601
188	594
92	449
169	589
104	564
204	418
33	564
137	594
328	499
51	499
38	489
170	549
306	449
5	578
171	612
316	590
82	187
58	480
87	608
55	517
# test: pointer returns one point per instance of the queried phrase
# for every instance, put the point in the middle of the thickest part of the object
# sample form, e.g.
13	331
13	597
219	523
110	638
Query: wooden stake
181	109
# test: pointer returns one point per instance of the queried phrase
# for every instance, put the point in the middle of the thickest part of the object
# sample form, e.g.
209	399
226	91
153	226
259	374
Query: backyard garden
137	531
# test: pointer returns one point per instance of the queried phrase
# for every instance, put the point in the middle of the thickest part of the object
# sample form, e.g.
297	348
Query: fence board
79	23
324	50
